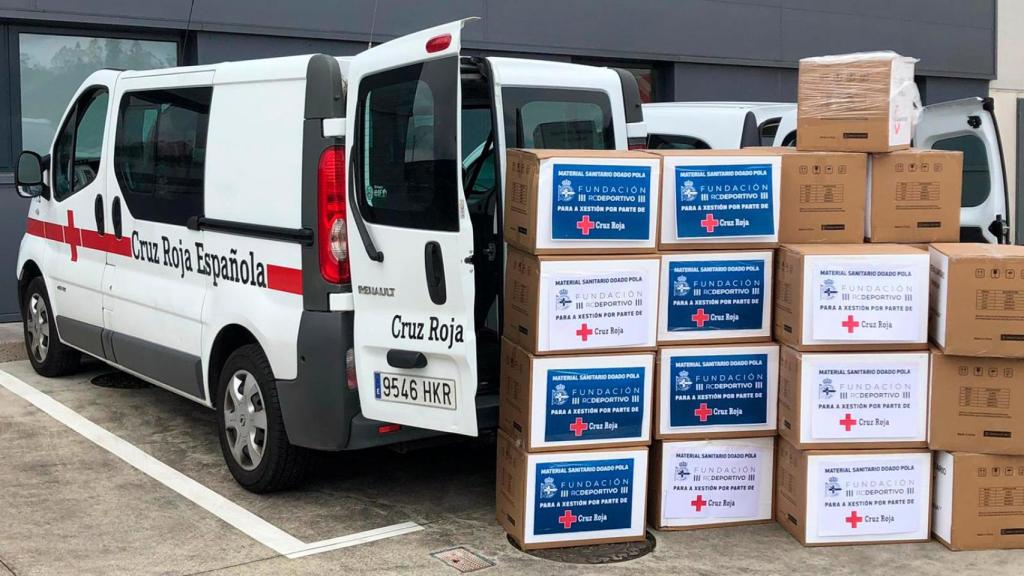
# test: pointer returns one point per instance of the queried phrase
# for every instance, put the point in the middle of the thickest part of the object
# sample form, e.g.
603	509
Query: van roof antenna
373	23
188	26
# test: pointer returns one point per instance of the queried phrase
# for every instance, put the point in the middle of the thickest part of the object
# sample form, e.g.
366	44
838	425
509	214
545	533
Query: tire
49	356
251	427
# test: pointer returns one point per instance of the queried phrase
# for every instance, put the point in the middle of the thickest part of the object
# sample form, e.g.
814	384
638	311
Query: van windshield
557	118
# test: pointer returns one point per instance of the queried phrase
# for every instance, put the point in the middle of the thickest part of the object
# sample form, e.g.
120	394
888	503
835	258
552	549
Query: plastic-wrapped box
861	102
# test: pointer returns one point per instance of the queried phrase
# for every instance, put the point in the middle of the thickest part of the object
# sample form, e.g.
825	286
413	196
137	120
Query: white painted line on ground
248	523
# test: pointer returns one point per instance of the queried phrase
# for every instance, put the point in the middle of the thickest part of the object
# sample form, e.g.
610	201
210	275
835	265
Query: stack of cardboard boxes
712	459
853	464
977	383
639	297
577	366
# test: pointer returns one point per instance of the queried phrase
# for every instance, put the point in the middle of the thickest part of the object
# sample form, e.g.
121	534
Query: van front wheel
252	434
48	355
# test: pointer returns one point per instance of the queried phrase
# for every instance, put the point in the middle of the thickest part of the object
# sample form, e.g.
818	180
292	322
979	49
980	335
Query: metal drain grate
119	380
462	559
595	553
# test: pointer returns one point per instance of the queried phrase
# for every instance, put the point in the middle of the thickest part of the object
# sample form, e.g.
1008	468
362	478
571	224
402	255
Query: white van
968	125
309	245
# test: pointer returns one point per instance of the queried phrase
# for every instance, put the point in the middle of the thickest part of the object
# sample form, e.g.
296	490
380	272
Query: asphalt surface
69	506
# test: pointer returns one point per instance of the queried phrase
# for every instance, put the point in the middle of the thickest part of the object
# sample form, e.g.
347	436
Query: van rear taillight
331	232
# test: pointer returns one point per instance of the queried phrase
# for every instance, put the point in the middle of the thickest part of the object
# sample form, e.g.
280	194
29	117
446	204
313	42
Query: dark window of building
53	66
557	118
409	164
976	180
675	142
160	152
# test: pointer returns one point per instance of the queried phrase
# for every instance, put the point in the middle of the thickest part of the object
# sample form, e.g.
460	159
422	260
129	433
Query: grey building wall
700	49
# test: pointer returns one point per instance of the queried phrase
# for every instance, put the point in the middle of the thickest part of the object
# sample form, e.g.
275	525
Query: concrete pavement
70	507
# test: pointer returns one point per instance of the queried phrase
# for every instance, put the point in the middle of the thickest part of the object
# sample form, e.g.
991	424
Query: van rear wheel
48	355
251	428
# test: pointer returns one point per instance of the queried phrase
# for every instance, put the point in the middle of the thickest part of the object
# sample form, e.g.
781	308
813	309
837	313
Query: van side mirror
28	178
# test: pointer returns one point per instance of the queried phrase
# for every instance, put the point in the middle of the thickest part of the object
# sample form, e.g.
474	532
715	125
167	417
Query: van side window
160	152
557	118
76	154
977	182
408	163
675	142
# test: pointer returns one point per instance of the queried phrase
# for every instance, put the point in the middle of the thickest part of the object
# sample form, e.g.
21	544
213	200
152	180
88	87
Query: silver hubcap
245	419
37	325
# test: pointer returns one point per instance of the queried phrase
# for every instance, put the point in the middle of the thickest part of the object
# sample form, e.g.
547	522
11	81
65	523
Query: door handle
98	207
408	359
115	215
434	266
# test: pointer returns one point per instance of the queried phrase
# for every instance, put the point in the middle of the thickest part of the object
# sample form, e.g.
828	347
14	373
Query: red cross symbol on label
853	519
567	519
848	422
585	225
709	222
700	317
699	502
703	412
578	427
849	324
584	332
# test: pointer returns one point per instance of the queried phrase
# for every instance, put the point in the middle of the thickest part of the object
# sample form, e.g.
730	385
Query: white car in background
968	125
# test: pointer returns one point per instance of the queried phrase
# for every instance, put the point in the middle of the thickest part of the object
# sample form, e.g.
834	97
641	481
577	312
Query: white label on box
592	399
857	397
868	299
598	202
938	297
942	501
587	495
599	309
871	496
716	481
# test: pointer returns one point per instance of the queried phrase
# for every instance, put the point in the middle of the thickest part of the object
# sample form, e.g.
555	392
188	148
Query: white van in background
309	245
967	125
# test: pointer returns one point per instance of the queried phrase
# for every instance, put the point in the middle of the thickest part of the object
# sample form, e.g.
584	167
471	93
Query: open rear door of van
410	237
969	125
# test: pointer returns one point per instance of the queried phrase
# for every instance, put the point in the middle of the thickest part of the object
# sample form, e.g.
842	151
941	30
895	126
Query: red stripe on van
284	279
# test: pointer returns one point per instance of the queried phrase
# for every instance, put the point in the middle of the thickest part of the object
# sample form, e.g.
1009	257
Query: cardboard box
849	297
977	404
562	304
860	102
581	201
717	391
711	483
562	499
979	501
914	196
574	402
836	497
853	399
719	198
823	197
715	297
977	299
